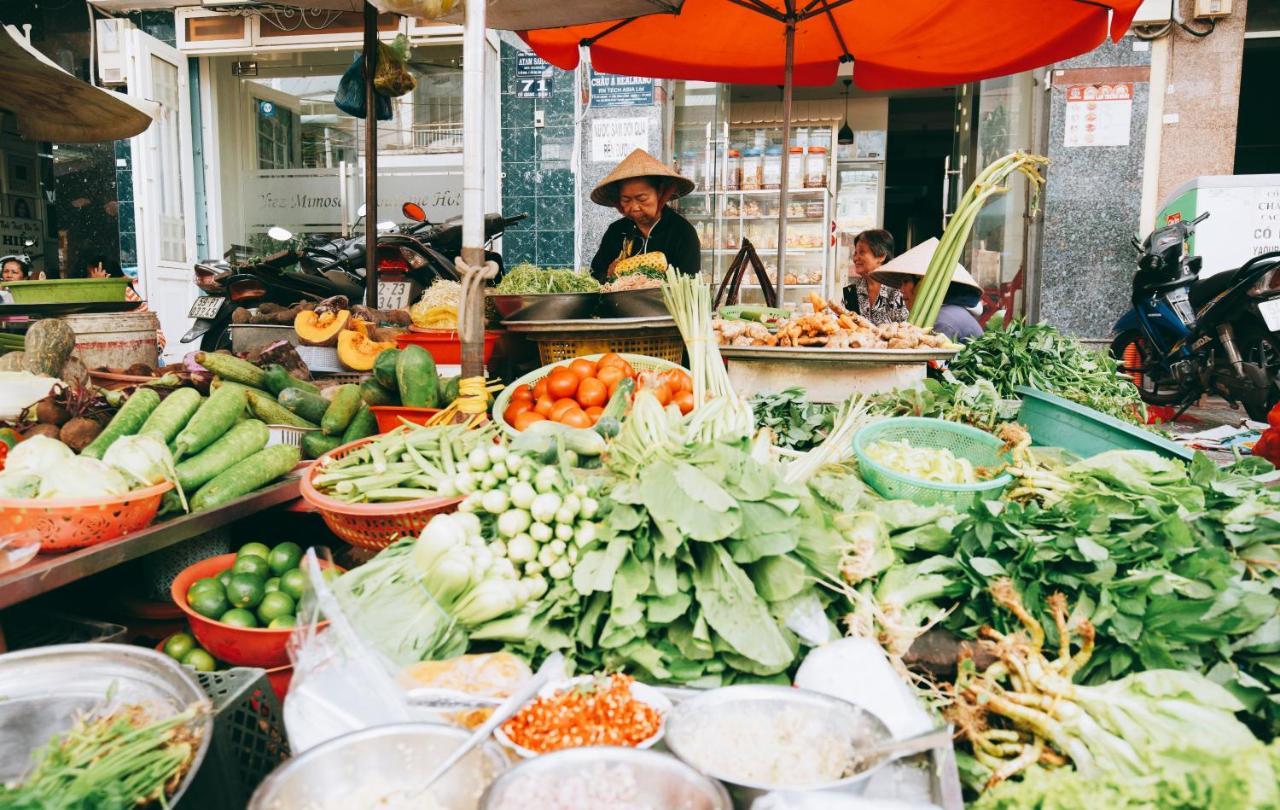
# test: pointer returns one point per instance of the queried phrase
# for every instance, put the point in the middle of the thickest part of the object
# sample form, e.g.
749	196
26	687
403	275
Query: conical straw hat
637	164
914	263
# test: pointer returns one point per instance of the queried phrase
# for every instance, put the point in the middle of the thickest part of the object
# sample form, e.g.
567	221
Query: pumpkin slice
320	328
357	352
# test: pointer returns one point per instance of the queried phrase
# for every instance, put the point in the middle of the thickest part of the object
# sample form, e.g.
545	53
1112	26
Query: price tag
393	295
206	307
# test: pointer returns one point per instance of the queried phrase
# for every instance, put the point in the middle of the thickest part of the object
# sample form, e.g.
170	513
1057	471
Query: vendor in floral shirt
865	296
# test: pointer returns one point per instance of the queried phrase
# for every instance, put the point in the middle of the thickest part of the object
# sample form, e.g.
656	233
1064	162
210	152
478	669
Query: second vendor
640	188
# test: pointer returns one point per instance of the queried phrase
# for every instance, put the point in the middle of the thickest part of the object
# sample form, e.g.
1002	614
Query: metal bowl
46	688
547	306
383	760
645	303
696	716
660	780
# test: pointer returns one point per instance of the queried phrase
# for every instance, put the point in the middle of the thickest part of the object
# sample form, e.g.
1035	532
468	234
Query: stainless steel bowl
703	713
45	688
646	303
660	780
546	307
387	759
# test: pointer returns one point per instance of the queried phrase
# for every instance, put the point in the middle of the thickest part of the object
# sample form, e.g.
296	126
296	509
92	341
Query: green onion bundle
991	182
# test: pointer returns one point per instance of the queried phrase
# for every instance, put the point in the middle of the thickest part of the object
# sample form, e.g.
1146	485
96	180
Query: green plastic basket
979	447
1054	421
751	312
67	290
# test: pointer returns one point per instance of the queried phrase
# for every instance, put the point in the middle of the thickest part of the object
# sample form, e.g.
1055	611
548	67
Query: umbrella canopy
52	105
892	43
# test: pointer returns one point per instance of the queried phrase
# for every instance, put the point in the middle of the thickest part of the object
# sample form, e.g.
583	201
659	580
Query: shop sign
303	201
533	77
1098	114
608	90
533	88
612	139
18	235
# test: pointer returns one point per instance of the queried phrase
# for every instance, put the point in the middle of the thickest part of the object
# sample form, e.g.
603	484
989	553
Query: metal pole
473	104
786	156
370	159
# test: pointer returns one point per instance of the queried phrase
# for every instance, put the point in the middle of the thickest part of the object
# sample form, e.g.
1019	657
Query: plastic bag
392	78
426	9
350	95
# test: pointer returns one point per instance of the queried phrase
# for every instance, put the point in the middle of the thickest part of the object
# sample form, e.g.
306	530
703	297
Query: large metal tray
592	325
546	306
46	688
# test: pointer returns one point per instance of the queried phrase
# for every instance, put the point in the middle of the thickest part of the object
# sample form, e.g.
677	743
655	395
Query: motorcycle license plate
393	295
1270	311
206	307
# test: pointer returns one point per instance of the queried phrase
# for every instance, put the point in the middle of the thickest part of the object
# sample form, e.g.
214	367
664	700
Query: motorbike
1186	336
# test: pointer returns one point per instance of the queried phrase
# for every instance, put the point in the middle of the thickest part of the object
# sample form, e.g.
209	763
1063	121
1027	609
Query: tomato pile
575	394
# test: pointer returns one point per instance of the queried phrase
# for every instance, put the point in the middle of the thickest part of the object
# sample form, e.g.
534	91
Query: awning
52	105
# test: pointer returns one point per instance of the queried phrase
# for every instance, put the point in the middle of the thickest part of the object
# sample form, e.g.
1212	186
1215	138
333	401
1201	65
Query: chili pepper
602	712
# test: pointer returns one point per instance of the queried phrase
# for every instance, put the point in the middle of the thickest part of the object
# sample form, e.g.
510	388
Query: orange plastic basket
669	347
370	525
69	524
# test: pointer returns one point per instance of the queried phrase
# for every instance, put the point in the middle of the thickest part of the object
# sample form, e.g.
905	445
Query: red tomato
610	375
575	417
684	401
562	384
522	392
540	389
583	368
544	405
662	392
611	359
592	393
528	418
562	405
514	410
594	413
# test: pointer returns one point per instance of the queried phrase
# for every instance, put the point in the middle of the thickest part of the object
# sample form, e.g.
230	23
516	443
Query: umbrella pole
370	158
786	158
471	322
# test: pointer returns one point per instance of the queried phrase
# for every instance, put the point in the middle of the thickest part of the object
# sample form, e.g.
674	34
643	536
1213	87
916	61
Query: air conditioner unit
1152	12
113	68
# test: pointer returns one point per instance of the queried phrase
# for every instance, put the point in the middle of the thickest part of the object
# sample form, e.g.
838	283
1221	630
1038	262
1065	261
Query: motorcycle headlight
1267	284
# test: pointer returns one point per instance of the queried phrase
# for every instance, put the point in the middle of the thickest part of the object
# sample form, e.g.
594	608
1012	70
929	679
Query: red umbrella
892	44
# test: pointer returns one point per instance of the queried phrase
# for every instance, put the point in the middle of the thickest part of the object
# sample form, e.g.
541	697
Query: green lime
284	557
178	645
273	605
200	661
224	578
207	582
253	565
239	617
209	603
293	583
272	584
245	590
254	550
283	622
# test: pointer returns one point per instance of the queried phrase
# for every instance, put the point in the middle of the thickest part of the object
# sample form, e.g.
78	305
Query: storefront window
276	148
167	137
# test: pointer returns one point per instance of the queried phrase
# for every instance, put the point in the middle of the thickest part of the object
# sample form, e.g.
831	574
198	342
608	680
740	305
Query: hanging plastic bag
392	78
426	9
350	95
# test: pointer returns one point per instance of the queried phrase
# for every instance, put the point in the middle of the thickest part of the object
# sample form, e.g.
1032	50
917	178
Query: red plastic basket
69	524
239	646
370	525
444	344
389	416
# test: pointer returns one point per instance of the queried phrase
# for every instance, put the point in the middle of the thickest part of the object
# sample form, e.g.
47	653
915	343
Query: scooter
1186	336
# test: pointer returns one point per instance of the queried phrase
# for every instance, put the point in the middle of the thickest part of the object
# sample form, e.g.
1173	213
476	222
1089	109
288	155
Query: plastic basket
286	434
240	646
978	447
27	627
444	344
559	348
156	571
638	361
370	525
249	739
68	524
67	290
1054	421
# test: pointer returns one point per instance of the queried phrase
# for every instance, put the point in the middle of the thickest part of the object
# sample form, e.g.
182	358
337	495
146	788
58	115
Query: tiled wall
537	179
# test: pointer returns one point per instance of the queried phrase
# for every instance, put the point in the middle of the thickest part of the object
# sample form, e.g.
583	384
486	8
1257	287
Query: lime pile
262	588
184	649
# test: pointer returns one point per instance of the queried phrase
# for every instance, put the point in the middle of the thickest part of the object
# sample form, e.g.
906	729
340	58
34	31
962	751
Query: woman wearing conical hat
962	301
640	188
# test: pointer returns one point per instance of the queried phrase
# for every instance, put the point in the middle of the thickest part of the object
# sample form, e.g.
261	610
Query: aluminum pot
697	715
46	687
660	780
389	759
646	303
546	306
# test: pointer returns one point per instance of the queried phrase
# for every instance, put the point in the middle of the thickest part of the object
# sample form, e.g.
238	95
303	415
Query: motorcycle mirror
414	212
279	234
361	210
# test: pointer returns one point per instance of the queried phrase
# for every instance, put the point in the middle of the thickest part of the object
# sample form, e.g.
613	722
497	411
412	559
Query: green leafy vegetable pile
703	562
976	403
797	423
1176	566
527	279
1039	356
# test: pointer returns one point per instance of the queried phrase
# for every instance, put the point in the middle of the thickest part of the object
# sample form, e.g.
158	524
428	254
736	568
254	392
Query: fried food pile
829	326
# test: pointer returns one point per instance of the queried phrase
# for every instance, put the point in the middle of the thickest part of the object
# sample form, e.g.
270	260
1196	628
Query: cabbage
37	454
17	484
144	460
82	477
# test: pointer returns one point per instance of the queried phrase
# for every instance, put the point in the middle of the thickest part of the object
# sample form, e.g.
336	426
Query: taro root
79	432
49	412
